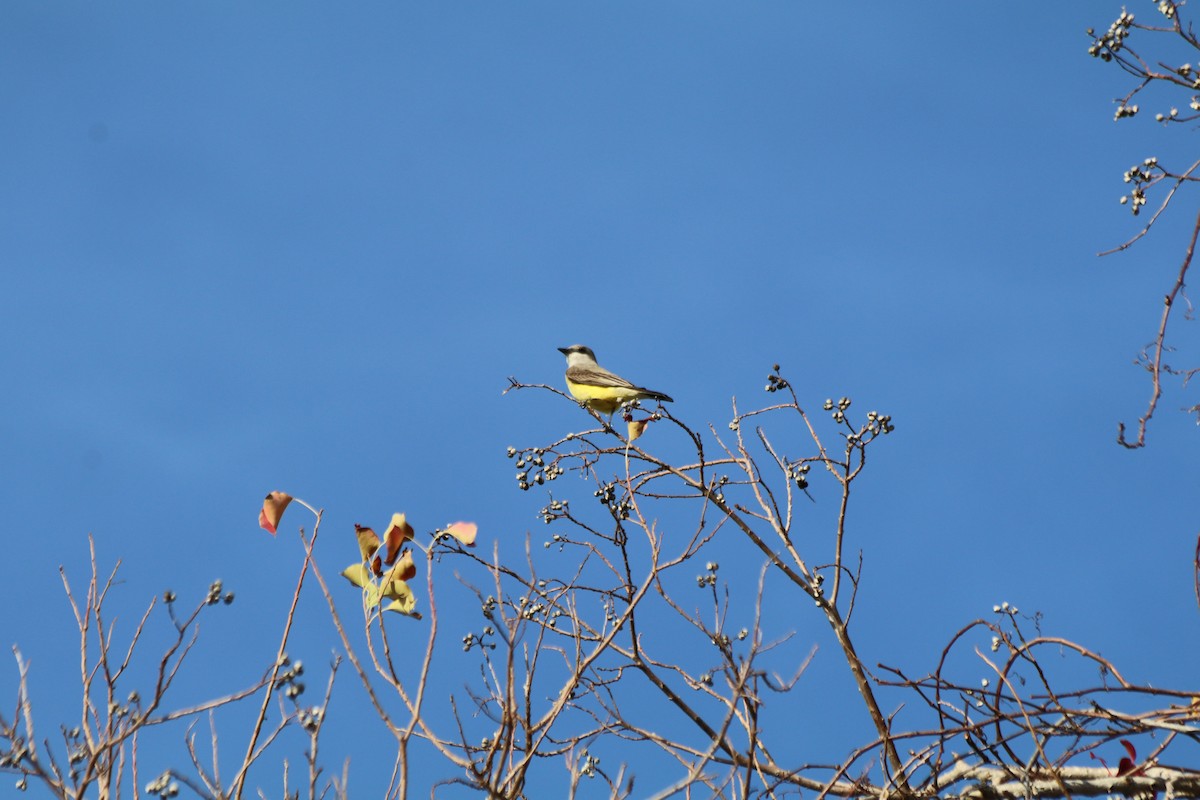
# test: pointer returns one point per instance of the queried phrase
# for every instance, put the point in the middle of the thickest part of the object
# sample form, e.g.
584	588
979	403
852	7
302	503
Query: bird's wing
597	376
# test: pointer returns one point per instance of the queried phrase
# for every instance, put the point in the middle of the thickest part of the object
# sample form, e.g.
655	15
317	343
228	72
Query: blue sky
299	247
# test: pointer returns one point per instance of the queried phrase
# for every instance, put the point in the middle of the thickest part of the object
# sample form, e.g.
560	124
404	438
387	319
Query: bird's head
578	354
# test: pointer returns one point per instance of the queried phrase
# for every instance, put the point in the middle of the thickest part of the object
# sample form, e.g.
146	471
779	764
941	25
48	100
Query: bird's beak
565	350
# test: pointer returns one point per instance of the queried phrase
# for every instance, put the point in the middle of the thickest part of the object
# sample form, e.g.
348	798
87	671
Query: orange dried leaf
398	532
272	511
404	570
464	532
368	542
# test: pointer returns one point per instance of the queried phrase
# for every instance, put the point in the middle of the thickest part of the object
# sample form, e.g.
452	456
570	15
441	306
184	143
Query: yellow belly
604	399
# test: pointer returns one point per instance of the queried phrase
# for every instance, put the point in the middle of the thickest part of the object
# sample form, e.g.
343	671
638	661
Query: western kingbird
596	387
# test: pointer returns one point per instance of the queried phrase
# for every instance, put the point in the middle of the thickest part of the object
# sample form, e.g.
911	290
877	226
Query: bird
597	388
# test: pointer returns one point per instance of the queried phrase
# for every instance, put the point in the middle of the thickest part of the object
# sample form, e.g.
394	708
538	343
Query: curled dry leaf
398	532
637	427
272	511
368	542
404	569
1127	763
357	574
464	532
403	608
403	600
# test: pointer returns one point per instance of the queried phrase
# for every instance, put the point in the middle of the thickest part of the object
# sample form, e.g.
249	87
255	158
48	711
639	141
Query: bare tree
598	644
620	652
1168	79
102	753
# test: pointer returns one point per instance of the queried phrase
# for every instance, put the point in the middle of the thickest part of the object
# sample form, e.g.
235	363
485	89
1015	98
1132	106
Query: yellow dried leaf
395	589
402	608
357	574
403	600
